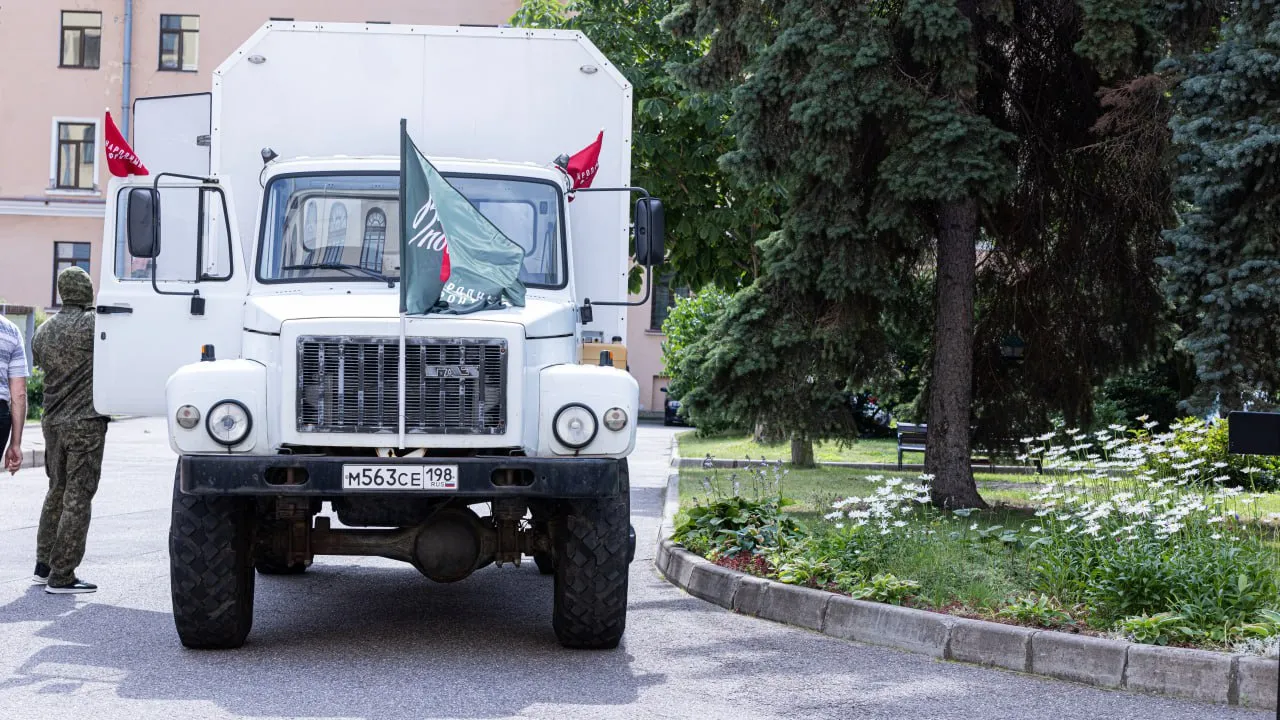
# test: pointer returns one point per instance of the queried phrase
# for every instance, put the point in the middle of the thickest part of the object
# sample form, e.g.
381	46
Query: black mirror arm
648	287
155	262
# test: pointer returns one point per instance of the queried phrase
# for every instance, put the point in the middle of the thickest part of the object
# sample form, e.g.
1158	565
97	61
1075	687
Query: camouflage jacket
63	348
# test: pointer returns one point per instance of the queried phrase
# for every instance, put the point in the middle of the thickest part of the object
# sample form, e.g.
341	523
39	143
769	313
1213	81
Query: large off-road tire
592	542
211	569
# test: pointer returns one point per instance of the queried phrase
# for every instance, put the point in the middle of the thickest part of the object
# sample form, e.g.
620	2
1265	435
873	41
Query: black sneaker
41	575
76	587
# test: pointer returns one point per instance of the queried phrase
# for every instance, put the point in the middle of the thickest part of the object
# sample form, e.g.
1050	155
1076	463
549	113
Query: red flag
121	160
584	164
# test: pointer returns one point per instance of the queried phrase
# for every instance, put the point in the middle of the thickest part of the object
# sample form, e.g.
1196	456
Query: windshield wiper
344	266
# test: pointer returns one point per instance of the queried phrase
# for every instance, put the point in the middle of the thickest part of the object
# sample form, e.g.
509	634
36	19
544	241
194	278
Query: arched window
375	238
336	241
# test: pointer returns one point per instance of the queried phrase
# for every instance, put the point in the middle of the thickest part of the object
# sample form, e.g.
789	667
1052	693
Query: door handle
114	310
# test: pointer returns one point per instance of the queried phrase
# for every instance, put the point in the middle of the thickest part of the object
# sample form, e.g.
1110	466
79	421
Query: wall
34	90
644	356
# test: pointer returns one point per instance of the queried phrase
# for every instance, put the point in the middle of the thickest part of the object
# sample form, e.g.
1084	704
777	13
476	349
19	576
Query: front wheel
592	549
211	569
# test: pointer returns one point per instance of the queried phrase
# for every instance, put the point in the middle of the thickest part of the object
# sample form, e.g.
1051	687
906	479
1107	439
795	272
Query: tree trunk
947	453
801	452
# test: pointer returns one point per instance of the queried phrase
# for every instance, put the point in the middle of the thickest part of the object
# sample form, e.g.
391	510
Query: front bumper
321	475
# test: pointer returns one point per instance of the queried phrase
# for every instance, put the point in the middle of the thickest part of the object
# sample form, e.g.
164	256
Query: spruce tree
1225	265
908	135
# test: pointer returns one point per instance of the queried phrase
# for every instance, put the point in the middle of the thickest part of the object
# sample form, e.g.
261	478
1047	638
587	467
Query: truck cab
250	294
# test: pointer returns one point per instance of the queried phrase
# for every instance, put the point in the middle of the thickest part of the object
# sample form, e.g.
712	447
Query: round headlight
229	422
187	416
575	425
615	419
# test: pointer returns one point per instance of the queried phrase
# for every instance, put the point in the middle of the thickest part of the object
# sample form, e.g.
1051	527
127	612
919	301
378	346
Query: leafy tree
1225	265
690	321
908	134
678	135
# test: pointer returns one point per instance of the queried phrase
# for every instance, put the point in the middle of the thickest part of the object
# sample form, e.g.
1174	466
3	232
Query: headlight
575	425
615	419
229	422
187	416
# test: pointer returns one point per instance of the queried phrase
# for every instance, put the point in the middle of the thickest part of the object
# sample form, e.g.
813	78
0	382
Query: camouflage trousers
73	461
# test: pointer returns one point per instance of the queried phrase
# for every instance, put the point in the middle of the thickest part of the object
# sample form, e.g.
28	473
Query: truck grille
452	385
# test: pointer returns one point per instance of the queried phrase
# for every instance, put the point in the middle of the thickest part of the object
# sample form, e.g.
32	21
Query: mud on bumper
480	477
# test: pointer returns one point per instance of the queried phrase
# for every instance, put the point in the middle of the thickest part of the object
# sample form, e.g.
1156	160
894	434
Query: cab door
156	308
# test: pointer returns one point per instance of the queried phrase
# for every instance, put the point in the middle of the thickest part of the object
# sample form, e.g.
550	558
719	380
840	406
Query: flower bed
1140	539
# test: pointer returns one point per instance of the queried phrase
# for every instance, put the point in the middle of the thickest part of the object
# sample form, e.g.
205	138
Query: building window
65	255
375	239
75	155
664	298
81	39
337	235
179	42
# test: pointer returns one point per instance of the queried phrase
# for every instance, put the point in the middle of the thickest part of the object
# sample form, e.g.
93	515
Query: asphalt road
370	638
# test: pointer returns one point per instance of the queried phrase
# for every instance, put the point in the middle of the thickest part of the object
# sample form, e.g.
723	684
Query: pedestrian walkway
32	446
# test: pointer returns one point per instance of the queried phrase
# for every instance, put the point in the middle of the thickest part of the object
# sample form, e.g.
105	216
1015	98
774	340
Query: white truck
249	294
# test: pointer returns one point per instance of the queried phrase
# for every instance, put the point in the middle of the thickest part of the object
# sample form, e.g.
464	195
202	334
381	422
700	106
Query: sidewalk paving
33	443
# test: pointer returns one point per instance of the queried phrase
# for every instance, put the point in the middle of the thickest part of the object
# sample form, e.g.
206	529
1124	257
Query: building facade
65	64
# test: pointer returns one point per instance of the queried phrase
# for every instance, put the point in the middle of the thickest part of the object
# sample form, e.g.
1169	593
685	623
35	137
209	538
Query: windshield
346	227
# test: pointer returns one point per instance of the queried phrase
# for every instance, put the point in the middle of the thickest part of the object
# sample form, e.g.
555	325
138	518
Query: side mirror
650	232
144	223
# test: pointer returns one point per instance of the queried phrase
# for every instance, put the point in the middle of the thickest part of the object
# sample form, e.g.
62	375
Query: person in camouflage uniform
74	434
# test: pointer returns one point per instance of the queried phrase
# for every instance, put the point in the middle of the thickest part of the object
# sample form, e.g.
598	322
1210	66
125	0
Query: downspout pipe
128	69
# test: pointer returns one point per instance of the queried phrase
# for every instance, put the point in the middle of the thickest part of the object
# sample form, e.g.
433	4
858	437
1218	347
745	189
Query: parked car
670	411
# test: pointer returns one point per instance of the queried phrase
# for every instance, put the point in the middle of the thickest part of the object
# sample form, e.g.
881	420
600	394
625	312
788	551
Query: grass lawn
962	575
737	447
814	490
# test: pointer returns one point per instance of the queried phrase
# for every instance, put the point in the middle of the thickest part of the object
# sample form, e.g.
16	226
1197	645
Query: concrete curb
32	458
1201	675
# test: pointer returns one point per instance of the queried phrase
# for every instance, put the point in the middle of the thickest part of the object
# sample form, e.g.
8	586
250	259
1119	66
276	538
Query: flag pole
404	134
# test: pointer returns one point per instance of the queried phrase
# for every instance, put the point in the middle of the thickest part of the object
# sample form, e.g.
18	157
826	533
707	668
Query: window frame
62	40
369	237
120	240
73	261
561	229
55	155
181	33
666	283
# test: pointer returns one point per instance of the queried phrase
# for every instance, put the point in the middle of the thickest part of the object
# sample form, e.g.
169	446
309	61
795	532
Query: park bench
914	439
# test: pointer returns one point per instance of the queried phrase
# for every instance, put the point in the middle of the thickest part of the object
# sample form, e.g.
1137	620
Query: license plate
400	478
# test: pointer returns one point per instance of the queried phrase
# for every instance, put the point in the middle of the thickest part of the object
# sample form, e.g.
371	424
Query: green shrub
688	322
1159	629
1204	446
35	394
1037	610
885	588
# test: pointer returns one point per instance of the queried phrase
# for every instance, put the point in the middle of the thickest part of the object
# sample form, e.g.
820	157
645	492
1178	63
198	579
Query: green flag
452	259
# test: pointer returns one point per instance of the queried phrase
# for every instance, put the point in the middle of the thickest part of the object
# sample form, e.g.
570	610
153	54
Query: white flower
1036	528
899	523
1216	536
973	526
